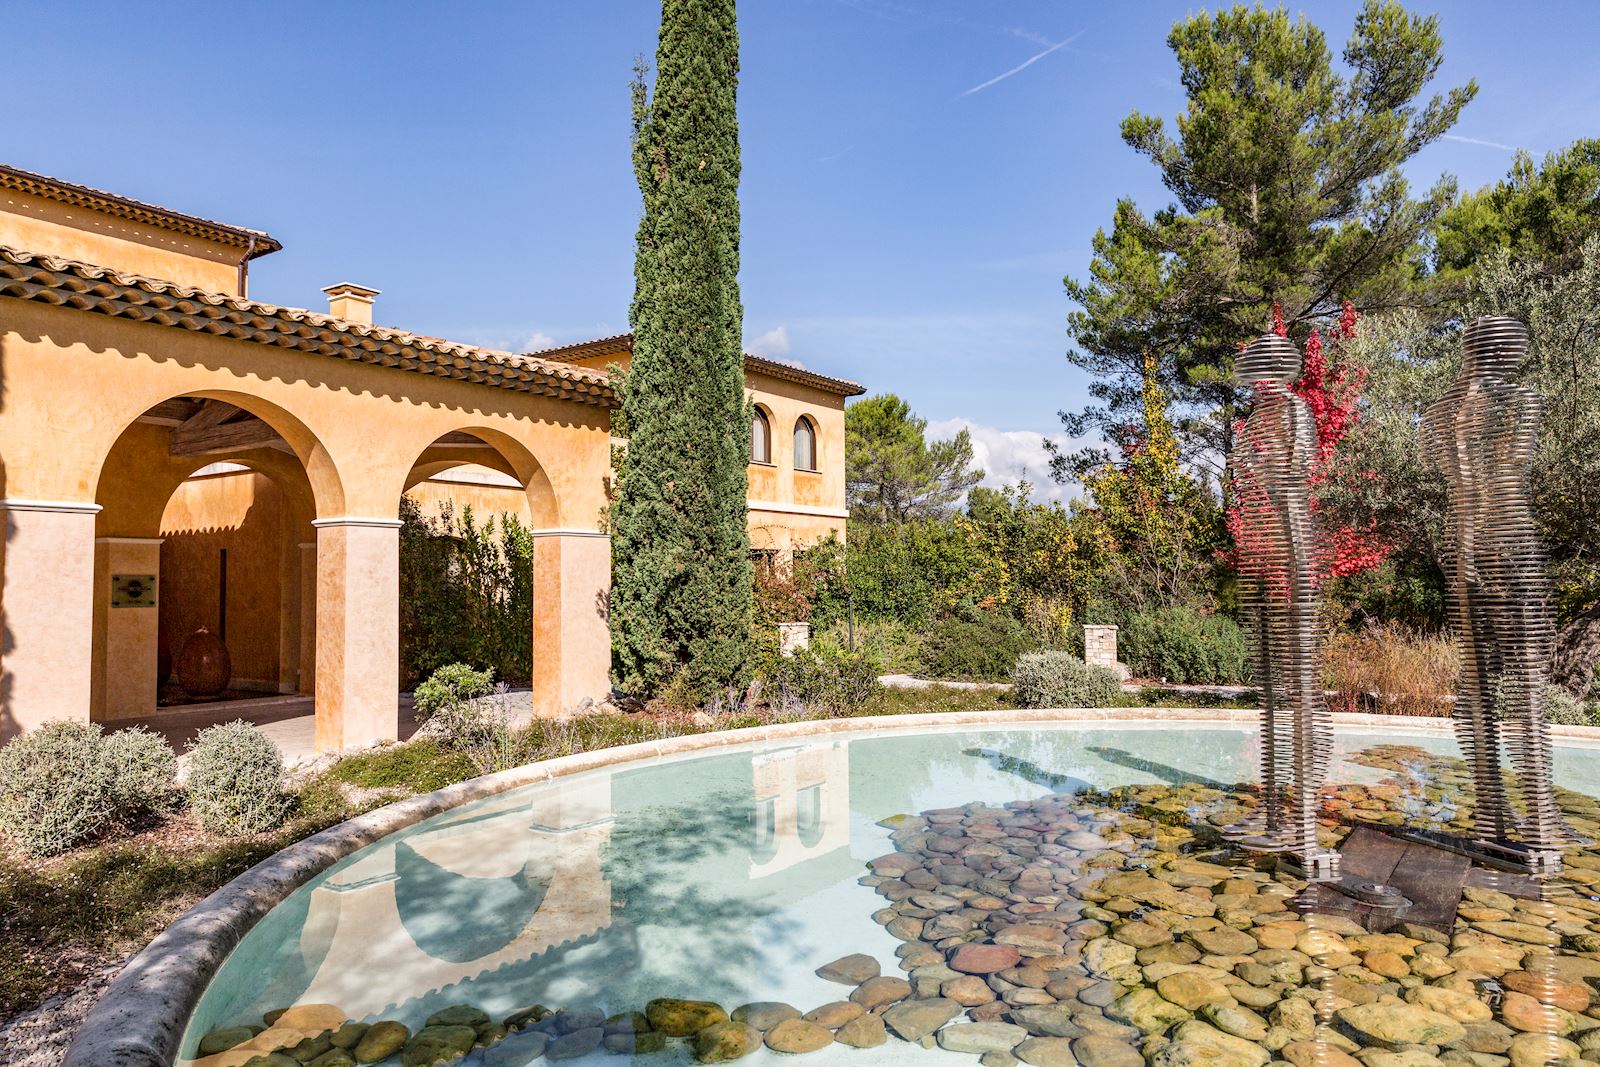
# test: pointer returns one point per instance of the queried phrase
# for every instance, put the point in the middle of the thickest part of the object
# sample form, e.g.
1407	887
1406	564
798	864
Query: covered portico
116	388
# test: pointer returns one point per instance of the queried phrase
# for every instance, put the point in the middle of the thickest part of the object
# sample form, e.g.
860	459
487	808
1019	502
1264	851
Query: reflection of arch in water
374	952
802	805
428	898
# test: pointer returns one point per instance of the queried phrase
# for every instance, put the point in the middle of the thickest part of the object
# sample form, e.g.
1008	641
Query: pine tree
681	592
1287	176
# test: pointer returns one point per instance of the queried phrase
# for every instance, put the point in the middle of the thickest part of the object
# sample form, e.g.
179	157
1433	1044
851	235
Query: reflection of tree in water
1027	770
687	870
1170	775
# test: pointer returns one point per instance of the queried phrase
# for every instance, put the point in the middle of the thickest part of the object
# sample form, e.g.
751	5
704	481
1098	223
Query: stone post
1100	646
793	636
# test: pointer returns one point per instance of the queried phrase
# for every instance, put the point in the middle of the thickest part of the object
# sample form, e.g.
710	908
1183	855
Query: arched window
805	445
760	438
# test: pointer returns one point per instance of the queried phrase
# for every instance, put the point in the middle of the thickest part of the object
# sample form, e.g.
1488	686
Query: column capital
356	520
60	507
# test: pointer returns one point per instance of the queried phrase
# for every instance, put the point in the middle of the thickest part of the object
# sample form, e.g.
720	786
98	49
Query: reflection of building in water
802	806
498	884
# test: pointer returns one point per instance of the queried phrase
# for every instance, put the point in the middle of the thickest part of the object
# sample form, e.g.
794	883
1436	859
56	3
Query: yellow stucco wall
356	433
486	501
789	508
36	224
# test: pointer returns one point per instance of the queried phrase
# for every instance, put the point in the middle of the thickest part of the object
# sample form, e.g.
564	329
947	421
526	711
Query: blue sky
918	174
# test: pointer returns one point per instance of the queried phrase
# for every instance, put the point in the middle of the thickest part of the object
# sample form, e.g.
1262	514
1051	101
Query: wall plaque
133	590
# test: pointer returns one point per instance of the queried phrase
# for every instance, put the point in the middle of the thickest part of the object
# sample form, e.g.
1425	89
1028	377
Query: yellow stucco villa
175	456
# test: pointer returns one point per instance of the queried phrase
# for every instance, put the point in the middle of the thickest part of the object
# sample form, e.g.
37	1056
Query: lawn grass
63	919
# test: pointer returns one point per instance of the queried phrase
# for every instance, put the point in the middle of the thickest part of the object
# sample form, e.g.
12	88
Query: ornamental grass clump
236	780
56	788
1062	680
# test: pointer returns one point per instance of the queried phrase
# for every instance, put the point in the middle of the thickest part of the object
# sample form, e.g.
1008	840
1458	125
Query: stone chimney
350	301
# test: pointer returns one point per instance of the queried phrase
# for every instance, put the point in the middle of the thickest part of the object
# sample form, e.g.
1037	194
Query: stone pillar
358	632
47	601
307	673
571	628
793	636
1100	646
126	627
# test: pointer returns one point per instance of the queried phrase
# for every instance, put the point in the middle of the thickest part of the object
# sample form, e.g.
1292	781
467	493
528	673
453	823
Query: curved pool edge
141	1018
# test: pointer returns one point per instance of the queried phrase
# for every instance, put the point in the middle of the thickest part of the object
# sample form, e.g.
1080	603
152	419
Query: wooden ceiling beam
223	437
172	412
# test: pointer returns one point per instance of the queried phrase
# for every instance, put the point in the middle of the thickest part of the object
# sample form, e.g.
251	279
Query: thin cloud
1028	35
773	343
1479	141
1024	65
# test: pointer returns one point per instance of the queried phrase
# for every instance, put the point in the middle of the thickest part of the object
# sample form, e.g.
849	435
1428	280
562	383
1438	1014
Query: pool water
730	876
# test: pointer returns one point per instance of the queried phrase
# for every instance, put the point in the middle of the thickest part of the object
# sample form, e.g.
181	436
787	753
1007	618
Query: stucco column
47	600
571	632
126	629
358	632
306	674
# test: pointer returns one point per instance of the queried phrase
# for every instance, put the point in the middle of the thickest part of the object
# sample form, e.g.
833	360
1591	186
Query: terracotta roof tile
86	287
619	343
120	206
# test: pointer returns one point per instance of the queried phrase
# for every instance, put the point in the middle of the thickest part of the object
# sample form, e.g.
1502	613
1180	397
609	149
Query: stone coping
141	1018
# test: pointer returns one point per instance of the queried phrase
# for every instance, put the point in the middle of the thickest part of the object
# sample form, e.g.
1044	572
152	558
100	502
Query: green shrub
824	679
144	772
451	685
1061	680
1561	708
895	646
236	780
1185	646
466	592
56	788
983	649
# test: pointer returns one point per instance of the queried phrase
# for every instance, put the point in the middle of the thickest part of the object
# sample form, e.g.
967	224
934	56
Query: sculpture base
1320	865
1501	855
1386	881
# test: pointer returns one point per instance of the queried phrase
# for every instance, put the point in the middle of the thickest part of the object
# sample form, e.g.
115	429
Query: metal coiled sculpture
1481	436
1280	570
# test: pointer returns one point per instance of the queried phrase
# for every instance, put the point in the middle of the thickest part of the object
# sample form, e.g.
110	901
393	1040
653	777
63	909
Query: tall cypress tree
681	595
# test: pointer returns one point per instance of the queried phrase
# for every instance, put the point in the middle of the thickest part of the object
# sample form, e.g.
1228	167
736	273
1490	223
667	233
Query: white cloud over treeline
1009	456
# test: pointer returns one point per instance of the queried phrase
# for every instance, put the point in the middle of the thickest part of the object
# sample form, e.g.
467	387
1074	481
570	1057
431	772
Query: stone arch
314	460
143	474
500	451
